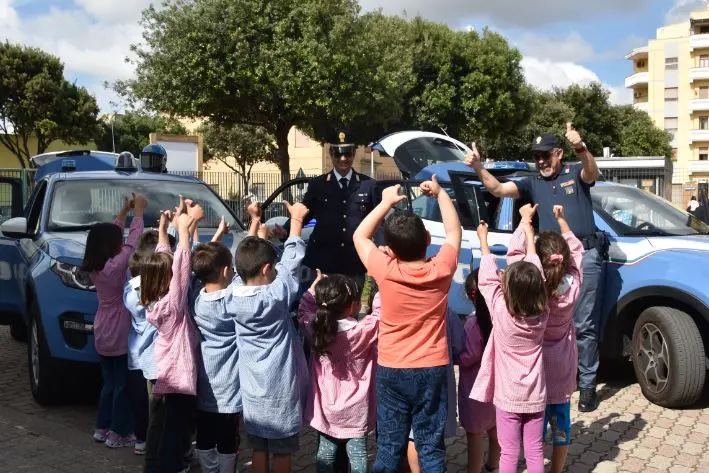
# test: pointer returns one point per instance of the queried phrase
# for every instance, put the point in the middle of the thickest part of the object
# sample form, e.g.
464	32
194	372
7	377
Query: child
476	417
561	257
412	389
342	405
272	369
141	365
512	372
219	397
165	284
106	259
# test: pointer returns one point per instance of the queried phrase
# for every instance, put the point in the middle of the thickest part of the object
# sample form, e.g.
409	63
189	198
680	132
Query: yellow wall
9	161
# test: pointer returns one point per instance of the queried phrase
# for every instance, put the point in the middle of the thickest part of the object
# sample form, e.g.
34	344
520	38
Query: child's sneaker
100	435
139	448
116	441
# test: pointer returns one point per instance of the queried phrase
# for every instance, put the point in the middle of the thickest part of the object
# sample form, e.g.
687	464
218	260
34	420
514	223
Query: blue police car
656	303
43	294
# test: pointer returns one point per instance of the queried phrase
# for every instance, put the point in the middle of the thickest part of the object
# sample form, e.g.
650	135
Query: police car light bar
509	165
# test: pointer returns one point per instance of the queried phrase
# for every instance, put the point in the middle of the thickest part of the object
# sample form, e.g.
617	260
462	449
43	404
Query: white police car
656	303
43	294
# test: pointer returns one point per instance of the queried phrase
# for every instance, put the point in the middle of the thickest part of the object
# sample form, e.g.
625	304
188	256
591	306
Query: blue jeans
587	318
406	398
113	405
327	451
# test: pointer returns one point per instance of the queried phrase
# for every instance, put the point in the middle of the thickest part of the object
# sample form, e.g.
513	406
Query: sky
562	41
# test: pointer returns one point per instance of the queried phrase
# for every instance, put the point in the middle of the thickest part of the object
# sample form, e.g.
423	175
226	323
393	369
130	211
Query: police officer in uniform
568	185
338	201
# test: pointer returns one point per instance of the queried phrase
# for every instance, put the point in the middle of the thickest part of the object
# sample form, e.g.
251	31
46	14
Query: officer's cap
341	144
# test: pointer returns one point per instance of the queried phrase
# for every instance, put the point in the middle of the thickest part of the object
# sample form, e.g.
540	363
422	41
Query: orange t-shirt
412	325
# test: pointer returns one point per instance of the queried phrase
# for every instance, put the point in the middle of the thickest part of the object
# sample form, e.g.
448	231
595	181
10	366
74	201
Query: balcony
642	106
699	105
641	78
699	73
698	41
638	53
698	166
698	135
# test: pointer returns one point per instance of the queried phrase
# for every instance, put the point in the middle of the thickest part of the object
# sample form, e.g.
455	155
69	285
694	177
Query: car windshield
634	212
78	204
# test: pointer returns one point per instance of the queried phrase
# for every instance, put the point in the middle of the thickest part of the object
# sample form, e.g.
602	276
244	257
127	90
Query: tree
639	136
274	64
36	101
239	147
131	131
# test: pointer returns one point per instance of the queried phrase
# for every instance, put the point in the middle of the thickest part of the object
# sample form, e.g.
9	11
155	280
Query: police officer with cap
338	200
153	158
568	185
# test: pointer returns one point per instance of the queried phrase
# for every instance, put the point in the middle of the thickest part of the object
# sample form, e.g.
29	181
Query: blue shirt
567	189
218	387
272	368
141	338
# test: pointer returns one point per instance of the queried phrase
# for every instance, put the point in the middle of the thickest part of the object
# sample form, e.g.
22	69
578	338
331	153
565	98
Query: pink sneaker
116	441
100	435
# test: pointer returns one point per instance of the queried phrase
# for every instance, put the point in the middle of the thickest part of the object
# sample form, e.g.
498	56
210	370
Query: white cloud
506	13
114	11
572	48
680	10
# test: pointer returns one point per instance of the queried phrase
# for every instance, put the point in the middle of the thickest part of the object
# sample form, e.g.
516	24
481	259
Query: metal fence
677	185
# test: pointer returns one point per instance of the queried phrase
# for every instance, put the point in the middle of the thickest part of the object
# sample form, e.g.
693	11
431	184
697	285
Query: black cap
545	142
341	144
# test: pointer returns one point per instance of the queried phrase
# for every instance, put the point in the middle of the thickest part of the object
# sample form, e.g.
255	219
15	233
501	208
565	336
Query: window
671	63
704	92
704	60
704	154
703	29
671	94
704	123
640	64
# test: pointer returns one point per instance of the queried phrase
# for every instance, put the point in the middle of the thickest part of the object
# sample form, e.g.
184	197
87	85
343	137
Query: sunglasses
543	155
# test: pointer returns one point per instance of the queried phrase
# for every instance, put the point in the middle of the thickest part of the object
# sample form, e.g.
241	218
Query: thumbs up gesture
573	136
473	159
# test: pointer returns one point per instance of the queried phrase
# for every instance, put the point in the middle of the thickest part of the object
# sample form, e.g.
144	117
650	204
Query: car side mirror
14	228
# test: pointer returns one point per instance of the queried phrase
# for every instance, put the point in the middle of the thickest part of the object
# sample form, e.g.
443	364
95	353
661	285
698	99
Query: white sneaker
139	448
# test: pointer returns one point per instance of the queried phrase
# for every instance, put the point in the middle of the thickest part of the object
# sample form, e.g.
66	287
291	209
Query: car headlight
73	276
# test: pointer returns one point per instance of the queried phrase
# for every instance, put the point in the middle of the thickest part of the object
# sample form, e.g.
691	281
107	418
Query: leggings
511	428
220	431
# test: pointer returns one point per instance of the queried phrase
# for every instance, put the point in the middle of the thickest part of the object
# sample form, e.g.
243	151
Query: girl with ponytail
341	407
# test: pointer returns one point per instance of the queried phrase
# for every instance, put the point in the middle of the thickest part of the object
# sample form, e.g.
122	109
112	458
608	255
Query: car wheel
18	331
668	357
44	375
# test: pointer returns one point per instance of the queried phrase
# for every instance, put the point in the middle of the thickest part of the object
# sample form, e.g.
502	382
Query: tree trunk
282	130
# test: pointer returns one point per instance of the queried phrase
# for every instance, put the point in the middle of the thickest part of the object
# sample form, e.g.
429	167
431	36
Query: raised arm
495	187
222	230
362	237
163	232
118	265
307	307
125	210
575	245
181	270
449	215
489	283
254	212
590	172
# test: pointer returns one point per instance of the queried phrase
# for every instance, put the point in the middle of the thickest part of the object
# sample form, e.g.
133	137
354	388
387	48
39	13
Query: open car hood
413	151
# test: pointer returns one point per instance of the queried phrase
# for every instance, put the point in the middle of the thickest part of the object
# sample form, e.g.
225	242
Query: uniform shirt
177	344
412	329
567	189
342	402
272	368
338	213
560	350
141	338
511	373
218	382
112	320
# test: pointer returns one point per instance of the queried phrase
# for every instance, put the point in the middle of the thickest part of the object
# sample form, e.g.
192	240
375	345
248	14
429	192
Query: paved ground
627	434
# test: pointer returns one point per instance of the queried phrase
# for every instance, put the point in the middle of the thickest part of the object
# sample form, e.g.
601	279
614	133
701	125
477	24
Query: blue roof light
511	165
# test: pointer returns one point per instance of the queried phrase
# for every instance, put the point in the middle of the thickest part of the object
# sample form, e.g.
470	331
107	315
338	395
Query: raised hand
165	218
482	230
391	197
472	159
573	136
297	211
527	212
431	188
195	211
559	212
319	276
254	210
140	202
223	227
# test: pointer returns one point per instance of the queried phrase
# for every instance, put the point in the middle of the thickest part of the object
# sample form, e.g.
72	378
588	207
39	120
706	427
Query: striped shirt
141	338
177	344
511	373
218	384
272	368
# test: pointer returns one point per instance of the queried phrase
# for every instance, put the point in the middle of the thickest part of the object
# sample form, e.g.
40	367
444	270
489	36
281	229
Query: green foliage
239	147
36	101
639	136
131	131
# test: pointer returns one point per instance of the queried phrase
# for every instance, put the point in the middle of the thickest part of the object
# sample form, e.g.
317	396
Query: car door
11	302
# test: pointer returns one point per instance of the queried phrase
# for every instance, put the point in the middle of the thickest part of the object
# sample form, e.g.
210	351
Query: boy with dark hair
413	346
272	369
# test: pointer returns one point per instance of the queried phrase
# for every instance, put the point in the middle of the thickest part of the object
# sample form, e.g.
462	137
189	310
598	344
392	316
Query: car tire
43	372
18	331
668	357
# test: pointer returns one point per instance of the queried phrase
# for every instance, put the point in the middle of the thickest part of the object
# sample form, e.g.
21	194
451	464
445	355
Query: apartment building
670	81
